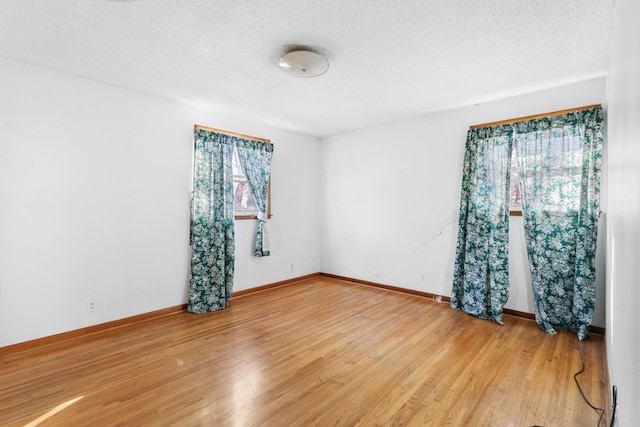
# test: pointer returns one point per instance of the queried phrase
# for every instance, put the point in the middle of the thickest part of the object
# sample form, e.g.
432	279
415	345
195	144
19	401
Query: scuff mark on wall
427	257
433	236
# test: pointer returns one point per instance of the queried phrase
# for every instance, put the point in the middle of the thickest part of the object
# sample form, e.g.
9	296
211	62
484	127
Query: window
515	206
244	205
562	157
558	160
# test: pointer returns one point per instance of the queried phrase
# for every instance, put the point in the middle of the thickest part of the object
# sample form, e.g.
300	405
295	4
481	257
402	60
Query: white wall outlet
91	307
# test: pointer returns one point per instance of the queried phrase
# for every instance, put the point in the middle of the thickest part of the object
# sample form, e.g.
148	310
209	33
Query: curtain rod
226	132
535	116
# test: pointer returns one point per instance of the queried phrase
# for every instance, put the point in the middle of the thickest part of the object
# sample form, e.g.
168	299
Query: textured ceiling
389	59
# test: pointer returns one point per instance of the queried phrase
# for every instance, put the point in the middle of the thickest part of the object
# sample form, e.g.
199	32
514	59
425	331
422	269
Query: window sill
243	217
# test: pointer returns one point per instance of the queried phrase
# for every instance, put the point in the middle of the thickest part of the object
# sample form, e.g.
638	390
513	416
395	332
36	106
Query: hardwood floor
323	352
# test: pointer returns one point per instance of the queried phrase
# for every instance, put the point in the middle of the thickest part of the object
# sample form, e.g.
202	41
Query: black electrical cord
575	378
615	403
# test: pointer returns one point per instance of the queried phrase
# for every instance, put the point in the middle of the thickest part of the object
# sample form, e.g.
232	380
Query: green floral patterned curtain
255	158
481	271
559	160
212	232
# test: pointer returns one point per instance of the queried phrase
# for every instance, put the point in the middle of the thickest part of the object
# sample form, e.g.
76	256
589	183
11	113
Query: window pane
552	173
514	184
243	201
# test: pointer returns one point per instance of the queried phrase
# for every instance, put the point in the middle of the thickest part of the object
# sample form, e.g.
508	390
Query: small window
244	204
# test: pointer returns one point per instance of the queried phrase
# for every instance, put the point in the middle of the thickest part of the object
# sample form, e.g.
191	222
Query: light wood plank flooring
322	352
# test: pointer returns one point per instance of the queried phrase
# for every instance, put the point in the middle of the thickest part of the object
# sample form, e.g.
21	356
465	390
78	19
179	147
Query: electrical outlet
91	307
291	267
423	278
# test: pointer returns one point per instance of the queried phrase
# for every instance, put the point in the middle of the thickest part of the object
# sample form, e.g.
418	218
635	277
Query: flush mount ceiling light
303	63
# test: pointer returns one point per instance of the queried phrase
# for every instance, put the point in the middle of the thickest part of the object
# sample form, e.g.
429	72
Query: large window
557	158
562	178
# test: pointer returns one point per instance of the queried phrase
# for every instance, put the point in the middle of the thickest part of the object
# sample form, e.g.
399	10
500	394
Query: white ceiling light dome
303	62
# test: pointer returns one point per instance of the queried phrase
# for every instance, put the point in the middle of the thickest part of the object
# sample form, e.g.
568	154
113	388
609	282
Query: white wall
623	261
390	196
94	203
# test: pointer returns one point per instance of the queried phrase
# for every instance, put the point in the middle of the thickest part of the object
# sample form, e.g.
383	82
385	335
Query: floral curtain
255	158
481	270
212	231
559	161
